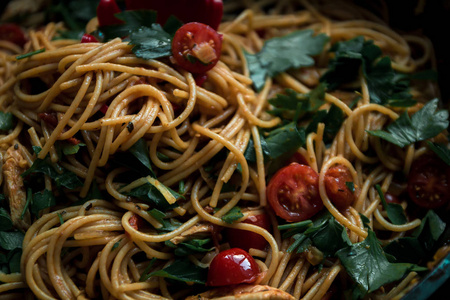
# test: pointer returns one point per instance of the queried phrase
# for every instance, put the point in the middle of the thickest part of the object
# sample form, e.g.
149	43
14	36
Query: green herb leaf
41	200
146	274
147	192
232	215
151	42
424	124
394	211
66	179
191	247
10	240
168	224
421	243
133	20
140	151
26	55
279	54
441	150
70	149
385	85
368	266
332	119
5	220
6	121
350	185
183	270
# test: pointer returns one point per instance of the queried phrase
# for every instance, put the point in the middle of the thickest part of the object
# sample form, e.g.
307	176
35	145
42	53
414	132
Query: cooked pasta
125	176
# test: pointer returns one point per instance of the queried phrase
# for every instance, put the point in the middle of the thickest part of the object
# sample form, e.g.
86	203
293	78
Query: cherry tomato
298	158
12	33
106	10
245	239
391	198
88	38
232	266
293	193
196	47
204	11
336	187
428	182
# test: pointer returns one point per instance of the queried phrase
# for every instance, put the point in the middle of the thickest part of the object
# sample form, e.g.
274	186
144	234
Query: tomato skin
88	38
293	193
232	266
428	182
106	10
391	198
12	33
335	185
298	158
204	11
245	239
188	39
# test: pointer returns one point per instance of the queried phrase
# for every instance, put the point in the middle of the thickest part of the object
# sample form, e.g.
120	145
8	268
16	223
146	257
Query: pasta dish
200	150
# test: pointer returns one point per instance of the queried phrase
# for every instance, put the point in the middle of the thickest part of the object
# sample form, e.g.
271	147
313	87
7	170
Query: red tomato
391	198
88	38
106	10
196	47
428	182
12	33
298	158
204	11
336	187
135	222
293	193
245	239
232	266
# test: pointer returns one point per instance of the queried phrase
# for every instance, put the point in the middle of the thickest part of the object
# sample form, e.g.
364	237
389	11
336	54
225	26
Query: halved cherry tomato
298	158
335	179
12	33
106	10
232	266
196	47
428	182
245	239
293	193
204	11
88	38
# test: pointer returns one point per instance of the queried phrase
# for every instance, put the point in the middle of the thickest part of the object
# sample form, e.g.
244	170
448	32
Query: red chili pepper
204	11
88	38
106	10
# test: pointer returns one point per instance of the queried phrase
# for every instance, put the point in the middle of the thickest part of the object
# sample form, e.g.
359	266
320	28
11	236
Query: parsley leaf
6	121
441	150
385	85
394	211
368	266
182	270
232	215
5	220
421	243
167	224
149	193
151	42
283	53
424	124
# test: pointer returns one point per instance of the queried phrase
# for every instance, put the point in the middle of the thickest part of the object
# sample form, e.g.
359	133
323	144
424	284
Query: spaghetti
115	165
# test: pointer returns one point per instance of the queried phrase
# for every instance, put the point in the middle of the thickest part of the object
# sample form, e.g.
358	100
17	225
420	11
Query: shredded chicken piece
244	292
13	165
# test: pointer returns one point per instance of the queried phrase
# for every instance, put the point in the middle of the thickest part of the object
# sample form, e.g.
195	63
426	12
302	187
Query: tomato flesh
12	33
336	179
196	47
428	182
244	239
293	193
232	266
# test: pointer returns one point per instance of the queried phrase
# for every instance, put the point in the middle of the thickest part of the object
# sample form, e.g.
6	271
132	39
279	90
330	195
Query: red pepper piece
203	11
88	38
106	10
104	108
